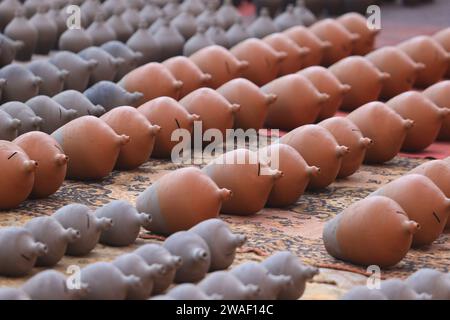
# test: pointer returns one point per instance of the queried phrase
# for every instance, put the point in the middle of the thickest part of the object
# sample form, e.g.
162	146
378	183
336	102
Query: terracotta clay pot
52	78
442	37
423	202
13	294
8	49
350	235
388	138
301	111
249	179
189	291
50	232
153	80
348	134
21	84
110	95
424	49
121	51
400	66
287	264
186	71
9	127
142	41
262	26
127	223
219	63
19	251
297	174
264	62
396	289
326	82
427	117
47	30
365	80
328	158
295	53
80	217
28	119
90	159
228	286
237	33
197	42
157	200
130	122
342	40
170	116
20	29
52	162
74	100
304	37
18	175
357	24
100	31
221	241
432	282
107	67
439	94
254	103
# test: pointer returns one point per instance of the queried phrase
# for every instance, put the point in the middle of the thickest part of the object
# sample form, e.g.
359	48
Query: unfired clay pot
228	286
7	11
100	31
365	80
373	231
171	42
432	282
237	33
110	95
13	294
221	241
122	28
119	50
219	63
9	127
52	162
195	7
28	119
8	49
52	78
348	134
47	31
427	117
249	179
189	291
328	158
50	232
90	159
363	293
396	289
75	40
388	138
227	14
170	216
80	217
217	35
142	41
107	67
197	42
289	111
75	100
440	95
20	29
185	24
262	26
423	202
21	84
357	24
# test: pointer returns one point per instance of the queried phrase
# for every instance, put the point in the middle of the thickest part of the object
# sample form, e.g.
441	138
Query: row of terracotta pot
414	212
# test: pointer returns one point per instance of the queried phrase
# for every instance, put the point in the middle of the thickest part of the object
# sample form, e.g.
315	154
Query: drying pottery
189	291
127	223
301	111
74	100
20	29
214	110
50	174
365	80
133	264
52	285
194	252
342	40
185	24
8	9
254	104
217	35
122	28
264	62
328	158
91	159
89	8
121	51
171	216
28	119
304	37
153	80
388	138
287	264
287	19
8	50
107	67
295	54
297	174
171	9
18	175
423	202
348	134
357	24
171	42
108	7
129	121
262	26
207	17
11	294
81	218
440	95
79	69
363	293
431	282
195	7
219	63
31	7
228	286
9	127
55	14
227	14
221	241
50	232
186	71
249	179
168	114
100	31
21	84
19	251
110	95
2	84
396	289
131	16
256	274
437	171
107	282
442	37
47	31
52	78
427	117
237	33
304	14
156	254
143	42
424	49
359	235
75	40
400	66
198	41
53	115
